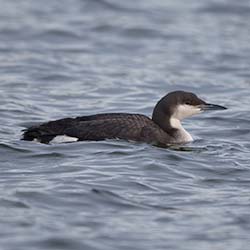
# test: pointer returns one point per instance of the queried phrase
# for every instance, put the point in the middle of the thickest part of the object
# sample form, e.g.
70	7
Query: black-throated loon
164	127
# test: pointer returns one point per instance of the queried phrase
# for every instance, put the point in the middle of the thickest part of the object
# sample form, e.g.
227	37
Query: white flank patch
63	139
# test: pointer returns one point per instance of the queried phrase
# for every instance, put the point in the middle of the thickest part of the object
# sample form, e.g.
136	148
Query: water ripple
65	59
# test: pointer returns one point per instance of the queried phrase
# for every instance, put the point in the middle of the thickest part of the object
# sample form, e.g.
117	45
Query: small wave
140	32
107	5
226	9
14	148
117	200
47	155
58	34
12	203
62	242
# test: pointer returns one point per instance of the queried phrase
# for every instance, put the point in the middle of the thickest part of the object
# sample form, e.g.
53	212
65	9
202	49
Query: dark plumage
98	127
126	126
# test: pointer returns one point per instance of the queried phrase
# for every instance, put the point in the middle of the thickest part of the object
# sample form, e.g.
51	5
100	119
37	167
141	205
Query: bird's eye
188	102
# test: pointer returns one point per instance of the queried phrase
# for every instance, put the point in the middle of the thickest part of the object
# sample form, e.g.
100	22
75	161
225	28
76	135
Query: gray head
177	105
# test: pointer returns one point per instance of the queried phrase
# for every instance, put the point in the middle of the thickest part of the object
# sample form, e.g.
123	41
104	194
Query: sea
62	58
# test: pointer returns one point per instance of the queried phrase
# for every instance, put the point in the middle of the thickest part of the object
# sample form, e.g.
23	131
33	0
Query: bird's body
164	127
98	127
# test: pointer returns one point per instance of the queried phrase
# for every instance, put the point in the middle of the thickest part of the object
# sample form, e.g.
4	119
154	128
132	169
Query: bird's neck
180	134
172	126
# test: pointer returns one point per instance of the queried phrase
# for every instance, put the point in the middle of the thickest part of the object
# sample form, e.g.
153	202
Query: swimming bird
164	128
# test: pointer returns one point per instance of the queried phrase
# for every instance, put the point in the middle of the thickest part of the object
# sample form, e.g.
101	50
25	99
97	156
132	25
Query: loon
164	128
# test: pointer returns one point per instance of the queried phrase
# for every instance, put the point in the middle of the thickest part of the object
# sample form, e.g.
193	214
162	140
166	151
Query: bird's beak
209	106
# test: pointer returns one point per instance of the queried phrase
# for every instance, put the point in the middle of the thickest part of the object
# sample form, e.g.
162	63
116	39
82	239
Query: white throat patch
183	111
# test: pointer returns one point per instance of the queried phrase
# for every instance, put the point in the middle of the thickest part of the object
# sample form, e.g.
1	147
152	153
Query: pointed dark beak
209	106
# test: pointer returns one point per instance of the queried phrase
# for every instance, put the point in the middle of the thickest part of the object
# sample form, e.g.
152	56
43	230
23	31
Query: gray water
80	57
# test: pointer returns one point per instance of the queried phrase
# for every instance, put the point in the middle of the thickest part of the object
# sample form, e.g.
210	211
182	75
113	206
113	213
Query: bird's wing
100	129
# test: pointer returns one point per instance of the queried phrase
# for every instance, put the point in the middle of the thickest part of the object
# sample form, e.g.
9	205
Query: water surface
71	58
